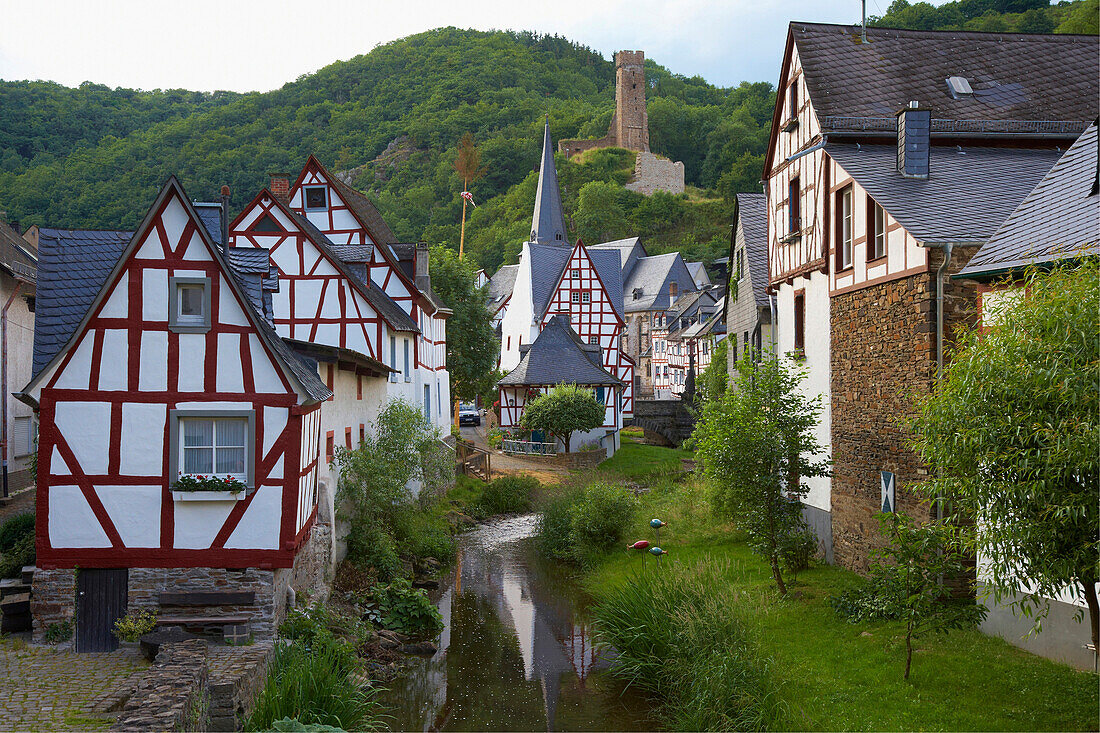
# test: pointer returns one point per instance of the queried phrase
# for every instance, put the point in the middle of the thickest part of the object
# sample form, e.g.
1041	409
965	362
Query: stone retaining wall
172	695
53	600
237	675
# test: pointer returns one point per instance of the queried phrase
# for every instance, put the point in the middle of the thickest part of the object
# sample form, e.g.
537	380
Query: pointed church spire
548	222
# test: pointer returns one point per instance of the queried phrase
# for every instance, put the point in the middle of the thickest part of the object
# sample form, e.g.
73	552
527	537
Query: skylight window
959	86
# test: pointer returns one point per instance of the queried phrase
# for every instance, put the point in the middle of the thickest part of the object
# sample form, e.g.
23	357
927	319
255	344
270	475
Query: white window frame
393	358
408	366
586	297
179	323
575	296
876	240
175	455
24	445
846	228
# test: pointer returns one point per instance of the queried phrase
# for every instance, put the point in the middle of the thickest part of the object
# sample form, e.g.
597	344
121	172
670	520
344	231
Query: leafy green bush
680	635
400	607
21	553
421	534
581	524
506	495
370	546
797	548
133	626
59	632
14	528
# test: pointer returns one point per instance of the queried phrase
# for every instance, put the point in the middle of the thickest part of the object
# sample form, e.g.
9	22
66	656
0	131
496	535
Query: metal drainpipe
948	247
4	382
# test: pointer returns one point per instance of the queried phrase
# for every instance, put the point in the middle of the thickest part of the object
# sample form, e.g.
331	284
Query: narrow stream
516	652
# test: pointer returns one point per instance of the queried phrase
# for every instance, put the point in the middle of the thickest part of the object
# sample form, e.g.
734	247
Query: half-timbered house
890	161
359	236
18	429
560	356
748	304
554	278
155	360
1058	222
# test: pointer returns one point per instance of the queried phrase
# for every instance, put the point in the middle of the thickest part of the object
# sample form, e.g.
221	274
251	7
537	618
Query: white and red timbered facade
359	237
172	371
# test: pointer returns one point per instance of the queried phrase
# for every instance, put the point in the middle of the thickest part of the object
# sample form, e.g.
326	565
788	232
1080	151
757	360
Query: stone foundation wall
236	677
883	353
172	695
53	600
652	174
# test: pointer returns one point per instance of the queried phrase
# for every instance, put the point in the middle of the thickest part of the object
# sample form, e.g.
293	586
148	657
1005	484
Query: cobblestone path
50	688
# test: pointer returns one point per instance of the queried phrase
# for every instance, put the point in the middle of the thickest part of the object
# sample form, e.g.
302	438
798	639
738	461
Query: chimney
420	266
280	187
914	144
673	291
225	221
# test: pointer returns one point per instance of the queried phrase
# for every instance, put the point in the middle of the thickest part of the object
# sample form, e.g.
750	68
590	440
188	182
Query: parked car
468	415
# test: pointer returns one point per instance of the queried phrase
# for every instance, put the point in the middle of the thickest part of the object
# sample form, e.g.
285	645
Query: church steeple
548	222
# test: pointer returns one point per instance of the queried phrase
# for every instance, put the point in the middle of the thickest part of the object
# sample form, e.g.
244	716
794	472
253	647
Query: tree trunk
908	649
1094	618
778	575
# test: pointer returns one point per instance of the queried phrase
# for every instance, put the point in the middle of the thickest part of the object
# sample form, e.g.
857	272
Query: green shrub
421	534
507	495
680	636
370	546
133	626
797	549
400	607
582	524
293	725
311	683
59	632
14	528
21	554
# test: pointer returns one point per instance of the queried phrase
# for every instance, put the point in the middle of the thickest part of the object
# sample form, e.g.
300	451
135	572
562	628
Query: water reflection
515	653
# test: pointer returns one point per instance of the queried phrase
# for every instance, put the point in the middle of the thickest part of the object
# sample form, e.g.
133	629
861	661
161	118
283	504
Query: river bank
829	674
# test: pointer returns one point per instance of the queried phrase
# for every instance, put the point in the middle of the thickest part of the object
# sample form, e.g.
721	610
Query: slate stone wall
53	600
883	353
173	694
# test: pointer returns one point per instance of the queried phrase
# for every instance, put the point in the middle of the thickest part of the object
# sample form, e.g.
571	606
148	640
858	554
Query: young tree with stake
562	411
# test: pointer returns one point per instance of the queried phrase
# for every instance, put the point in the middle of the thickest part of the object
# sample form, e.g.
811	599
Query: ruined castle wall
652	174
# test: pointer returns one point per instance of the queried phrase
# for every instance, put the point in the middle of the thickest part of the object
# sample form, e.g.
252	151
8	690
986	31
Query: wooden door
101	596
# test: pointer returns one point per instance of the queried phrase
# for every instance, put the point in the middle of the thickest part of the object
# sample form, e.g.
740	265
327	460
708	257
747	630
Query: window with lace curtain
211	443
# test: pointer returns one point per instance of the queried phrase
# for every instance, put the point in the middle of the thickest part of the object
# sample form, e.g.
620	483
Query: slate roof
548	219
72	267
1014	76
210	214
354	252
698	273
752	213
547	263
365	211
630	251
16	254
651	275
1060	218
386	306
968	194
558	355
606	263
501	285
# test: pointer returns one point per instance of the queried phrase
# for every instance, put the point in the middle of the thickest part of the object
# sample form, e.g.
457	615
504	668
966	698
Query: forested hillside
101	167
94	157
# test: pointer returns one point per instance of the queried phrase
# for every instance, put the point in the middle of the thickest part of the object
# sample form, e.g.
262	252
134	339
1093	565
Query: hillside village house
671	357
556	278
749	307
889	163
692	345
18	428
558	356
650	285
154	359
1058	221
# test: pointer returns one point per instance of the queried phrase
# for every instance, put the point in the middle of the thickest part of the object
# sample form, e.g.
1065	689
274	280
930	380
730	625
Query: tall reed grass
678	633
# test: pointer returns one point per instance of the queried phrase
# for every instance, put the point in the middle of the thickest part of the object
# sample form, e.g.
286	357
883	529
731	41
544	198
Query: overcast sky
247	45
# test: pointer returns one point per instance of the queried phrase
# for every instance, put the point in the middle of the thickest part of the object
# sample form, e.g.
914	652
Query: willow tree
1012	434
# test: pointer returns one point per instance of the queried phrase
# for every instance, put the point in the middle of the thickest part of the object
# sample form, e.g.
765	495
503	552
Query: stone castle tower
630	124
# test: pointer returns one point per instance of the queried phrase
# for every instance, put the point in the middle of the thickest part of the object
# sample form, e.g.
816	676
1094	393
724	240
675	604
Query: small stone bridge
664	421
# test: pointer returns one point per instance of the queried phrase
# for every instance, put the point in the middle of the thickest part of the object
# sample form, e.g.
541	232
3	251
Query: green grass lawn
638	461
833	675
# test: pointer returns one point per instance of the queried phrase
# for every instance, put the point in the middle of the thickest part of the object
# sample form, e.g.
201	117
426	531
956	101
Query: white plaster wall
19	353
816	364
134	510
71	520
519	316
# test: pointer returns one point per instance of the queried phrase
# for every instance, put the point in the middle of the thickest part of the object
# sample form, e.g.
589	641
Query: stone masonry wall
883	353
53	600
172	694
652	174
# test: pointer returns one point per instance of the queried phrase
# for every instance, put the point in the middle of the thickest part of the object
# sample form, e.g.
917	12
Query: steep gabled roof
364	210
606	263
100	262
698	273
548	219
630	250
557	355
1014	76
501	286
547	264
1060	218
968	194
73	264
752	215
16	254
650	277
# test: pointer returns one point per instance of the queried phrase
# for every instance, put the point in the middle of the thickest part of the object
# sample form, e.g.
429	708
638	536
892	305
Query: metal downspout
4	383
948	247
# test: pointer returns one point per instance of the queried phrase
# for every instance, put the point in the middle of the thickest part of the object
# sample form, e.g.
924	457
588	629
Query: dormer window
637	293
316	198
189	304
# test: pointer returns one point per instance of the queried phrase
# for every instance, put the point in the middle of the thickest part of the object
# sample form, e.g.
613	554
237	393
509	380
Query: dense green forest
94	156
420	93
